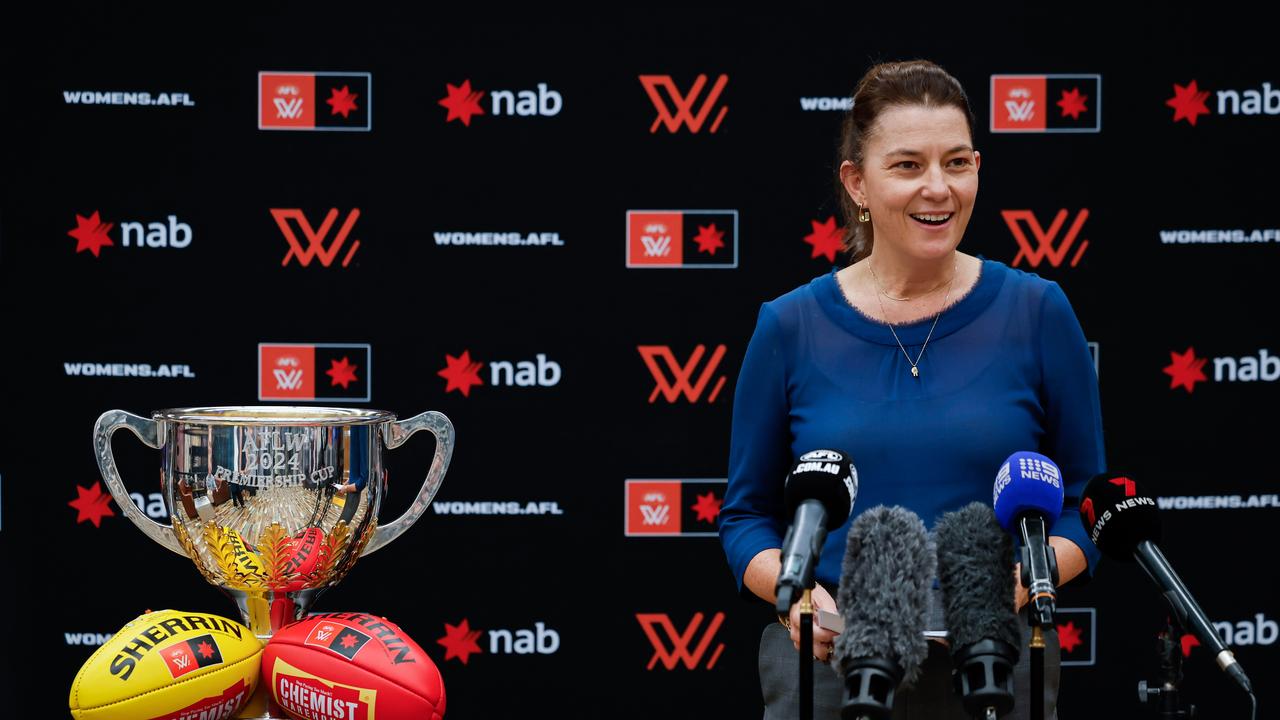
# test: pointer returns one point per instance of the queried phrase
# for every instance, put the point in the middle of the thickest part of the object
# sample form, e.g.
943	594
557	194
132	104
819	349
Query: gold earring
864	213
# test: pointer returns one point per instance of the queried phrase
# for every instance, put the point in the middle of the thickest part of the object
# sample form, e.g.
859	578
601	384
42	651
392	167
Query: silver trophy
273	504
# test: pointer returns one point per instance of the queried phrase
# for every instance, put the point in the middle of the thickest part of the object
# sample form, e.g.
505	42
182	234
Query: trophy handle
394	434
151	433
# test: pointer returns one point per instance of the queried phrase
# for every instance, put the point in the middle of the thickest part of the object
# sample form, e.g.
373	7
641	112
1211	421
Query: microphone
883	598
1125	525
1028	500
820	491
975	557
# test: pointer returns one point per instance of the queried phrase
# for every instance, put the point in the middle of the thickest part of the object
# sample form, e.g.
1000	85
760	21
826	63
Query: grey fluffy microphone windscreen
975	572
884	590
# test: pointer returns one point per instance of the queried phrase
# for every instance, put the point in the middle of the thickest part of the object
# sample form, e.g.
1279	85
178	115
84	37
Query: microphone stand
806	663
1036	701
1164	699
1041	602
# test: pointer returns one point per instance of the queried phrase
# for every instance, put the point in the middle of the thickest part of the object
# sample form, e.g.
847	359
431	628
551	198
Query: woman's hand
823	639
760	578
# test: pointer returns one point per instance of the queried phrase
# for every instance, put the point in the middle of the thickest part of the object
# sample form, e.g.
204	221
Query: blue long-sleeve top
1007	369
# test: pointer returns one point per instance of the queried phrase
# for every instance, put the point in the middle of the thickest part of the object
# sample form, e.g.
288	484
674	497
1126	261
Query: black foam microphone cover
1118	516
883	597
827	476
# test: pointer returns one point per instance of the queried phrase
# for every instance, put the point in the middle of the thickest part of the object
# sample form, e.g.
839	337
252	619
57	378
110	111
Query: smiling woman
925	365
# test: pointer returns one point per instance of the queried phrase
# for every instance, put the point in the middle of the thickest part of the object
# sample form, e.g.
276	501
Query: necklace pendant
915	371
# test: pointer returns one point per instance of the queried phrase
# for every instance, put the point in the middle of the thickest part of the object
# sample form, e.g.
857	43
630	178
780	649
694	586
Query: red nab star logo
92	504
1188	642
343	101
342	372
1188	102
826	238
1185	370
459	641
461	373
707	507
461	102
205	650
1069	637
91	234
1072	103
709	239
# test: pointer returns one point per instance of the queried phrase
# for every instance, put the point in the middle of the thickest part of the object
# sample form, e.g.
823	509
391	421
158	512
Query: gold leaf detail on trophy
331	551
189	546
274	547
221	551
354	553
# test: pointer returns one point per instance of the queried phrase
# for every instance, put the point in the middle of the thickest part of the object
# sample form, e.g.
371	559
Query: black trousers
932	698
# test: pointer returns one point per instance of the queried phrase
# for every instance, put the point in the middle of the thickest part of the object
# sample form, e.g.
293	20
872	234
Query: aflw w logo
1020	106
659	246
181	660
684	103
655	514
683	374
288	379
680	642
1044	247
315	247
288	108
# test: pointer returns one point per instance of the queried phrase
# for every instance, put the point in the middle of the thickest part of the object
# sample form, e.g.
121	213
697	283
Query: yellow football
170	665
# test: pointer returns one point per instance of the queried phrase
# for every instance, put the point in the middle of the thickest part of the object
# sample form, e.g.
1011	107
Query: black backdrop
613	605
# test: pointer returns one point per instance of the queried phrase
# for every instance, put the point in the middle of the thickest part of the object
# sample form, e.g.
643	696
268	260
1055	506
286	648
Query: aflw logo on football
315	247
681	642
1052	243
684	115
682	374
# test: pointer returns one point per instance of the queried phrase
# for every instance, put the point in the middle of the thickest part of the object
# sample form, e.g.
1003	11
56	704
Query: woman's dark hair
894	84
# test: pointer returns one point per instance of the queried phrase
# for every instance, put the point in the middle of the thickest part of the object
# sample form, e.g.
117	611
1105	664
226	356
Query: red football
304	549
351	666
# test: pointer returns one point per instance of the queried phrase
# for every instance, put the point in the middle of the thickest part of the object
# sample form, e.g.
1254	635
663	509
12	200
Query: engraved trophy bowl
273	504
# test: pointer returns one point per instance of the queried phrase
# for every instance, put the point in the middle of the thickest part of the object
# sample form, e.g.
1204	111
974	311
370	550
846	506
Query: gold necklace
915	370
